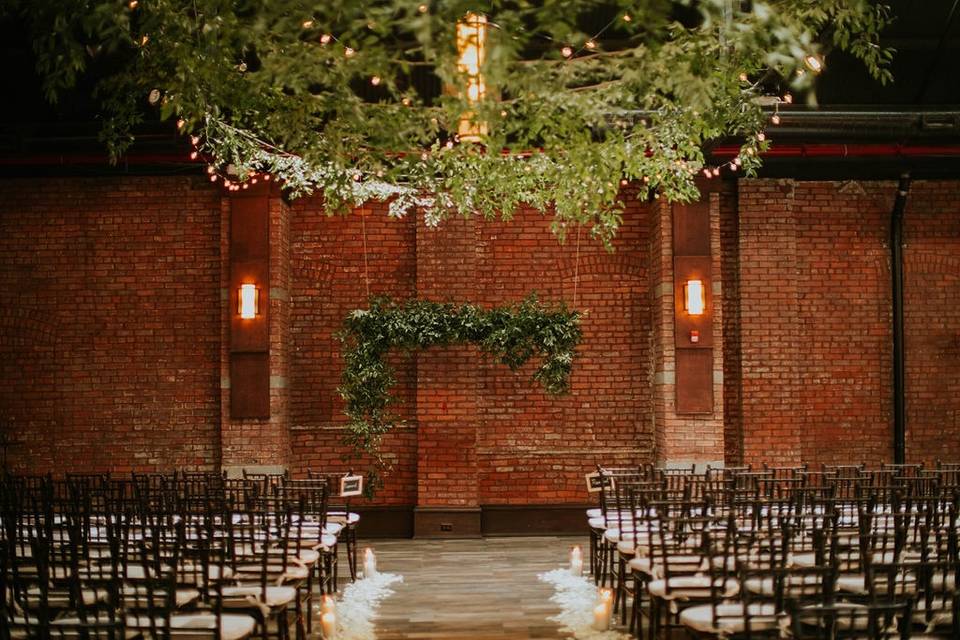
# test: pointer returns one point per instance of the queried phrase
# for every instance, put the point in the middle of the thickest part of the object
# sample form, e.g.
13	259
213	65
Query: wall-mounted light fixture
249	305
694	297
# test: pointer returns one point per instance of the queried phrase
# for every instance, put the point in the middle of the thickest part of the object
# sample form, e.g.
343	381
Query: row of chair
168	556
780	552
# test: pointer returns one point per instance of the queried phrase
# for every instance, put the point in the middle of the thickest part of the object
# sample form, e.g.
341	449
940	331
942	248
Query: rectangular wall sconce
249	301
695	299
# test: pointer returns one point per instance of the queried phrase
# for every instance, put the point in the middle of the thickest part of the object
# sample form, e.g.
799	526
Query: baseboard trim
405	521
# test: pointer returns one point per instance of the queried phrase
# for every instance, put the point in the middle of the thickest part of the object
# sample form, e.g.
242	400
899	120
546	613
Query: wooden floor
476	589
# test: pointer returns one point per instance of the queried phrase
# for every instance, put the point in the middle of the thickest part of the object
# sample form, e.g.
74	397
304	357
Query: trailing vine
511	334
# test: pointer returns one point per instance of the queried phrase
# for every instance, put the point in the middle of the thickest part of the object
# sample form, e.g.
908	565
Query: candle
369	563
328	624
576	561
329	605
601	617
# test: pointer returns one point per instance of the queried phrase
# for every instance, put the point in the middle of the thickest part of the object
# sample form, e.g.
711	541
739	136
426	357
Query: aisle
476	589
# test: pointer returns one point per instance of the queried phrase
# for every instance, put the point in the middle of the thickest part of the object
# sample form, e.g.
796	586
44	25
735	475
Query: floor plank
478	589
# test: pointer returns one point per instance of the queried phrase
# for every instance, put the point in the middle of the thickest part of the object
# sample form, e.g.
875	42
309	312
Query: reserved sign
597	482
351	486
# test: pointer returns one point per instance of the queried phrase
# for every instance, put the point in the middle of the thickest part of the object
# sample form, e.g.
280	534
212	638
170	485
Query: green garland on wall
511	334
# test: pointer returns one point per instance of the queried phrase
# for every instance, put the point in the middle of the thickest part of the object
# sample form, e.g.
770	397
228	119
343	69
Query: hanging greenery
510	334
354	98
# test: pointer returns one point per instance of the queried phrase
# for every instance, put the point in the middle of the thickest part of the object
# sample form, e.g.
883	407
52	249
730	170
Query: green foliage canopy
511	334
582	94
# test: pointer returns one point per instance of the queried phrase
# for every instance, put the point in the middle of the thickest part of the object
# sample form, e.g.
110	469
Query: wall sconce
694	297
249	301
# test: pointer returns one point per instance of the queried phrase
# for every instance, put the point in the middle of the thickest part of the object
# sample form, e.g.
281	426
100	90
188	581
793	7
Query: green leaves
512	335
361	100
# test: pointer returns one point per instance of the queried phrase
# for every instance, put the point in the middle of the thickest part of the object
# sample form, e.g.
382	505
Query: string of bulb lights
475	92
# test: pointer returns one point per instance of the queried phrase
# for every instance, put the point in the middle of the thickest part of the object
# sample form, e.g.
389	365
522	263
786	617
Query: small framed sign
351	486
597	483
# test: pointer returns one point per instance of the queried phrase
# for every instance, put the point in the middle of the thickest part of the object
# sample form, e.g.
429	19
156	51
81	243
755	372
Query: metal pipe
899	356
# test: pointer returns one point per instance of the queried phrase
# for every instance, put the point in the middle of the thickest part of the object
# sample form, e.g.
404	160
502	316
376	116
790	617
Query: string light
194	140
590	44
626	17
624	182
348	52
154	96
775	119
743	77
213	178
406	102
133	4
761	136
181	123
375	80
307	24
788	98
567	52
814	62
144	40
325	38
193	155
423	8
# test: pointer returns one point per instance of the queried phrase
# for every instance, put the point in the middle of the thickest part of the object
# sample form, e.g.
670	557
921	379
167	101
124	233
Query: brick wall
815	321
111	334
932	322
110	325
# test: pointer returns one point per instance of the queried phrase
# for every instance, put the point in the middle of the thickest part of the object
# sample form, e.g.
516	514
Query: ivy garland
511	334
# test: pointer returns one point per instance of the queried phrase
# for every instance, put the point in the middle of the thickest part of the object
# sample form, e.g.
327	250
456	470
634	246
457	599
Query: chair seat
627	547
60	599
242	597
343	517
595	512
688	587
232	626
764	586
327	542
730	618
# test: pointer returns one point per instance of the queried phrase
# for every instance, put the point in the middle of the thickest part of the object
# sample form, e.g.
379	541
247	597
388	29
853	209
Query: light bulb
325	38
814	62
307	24
590	44
775	119
423	8
626	17
348	52
375	80
567	52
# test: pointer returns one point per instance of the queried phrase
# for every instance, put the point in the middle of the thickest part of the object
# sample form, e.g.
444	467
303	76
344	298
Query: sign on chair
351	486
597	483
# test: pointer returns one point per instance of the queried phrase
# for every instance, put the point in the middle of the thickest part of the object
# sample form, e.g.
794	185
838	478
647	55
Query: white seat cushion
686	587
730	618
243	596
232	626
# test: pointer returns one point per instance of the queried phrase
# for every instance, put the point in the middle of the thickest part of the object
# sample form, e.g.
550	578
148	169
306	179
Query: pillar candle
576	561
369	563
329	605
328	624
601	617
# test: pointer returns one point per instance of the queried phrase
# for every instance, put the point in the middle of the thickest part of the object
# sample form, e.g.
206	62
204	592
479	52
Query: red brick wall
815	329
111	334
329	280
932	321
110	326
